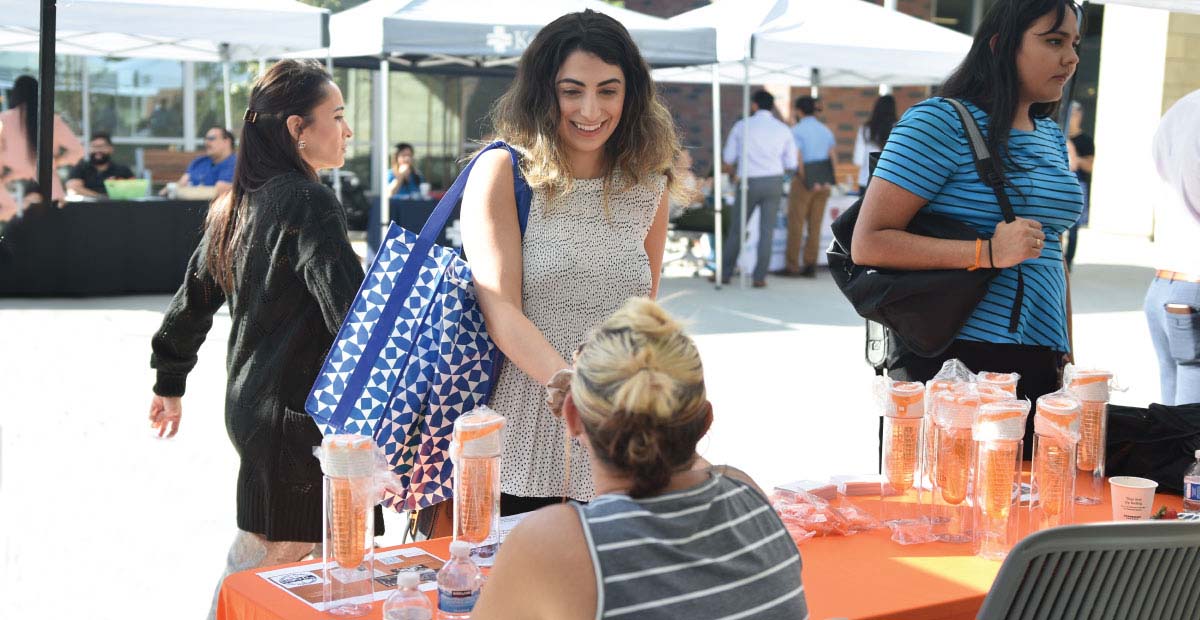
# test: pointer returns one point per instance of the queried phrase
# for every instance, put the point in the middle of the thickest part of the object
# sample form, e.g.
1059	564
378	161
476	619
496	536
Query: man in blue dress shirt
810	188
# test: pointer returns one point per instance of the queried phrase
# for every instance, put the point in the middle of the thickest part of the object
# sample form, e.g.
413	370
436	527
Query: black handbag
1158	443
924	309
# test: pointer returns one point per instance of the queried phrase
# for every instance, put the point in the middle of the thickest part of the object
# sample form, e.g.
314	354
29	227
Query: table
100	248
862	577
411	215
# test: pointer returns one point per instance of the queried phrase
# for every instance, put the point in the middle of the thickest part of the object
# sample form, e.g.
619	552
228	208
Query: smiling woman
599	150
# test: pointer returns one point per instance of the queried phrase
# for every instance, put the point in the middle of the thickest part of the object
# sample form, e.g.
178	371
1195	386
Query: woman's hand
165	412
1016	242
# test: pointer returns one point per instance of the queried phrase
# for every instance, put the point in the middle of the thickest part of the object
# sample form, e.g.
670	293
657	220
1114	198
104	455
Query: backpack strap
990	172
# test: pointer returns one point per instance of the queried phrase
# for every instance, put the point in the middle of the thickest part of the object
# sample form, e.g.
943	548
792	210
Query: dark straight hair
883	118
267	150
988	77
25	93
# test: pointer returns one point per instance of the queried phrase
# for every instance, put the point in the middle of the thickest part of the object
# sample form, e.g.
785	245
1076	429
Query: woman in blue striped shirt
666	536
1012	82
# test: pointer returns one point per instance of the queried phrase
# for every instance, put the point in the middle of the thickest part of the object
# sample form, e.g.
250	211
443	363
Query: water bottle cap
348	456
1001	421
408	580
479	433
1006	380
1057	416
906	399
460	549
1091	385
991	393
957	409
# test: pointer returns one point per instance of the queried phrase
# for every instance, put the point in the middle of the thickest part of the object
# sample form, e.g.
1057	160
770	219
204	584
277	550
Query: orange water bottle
477	446
929	426
904	409
998	432
952	514
1091	387
348	543
1056	433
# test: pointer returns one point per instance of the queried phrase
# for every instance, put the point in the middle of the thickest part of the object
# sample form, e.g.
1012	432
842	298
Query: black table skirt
100	248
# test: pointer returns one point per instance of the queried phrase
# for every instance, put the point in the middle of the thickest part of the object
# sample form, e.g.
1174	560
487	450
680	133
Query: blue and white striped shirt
928	155
714	551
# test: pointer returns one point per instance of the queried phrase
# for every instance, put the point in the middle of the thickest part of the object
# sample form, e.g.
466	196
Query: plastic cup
1132	498
425	189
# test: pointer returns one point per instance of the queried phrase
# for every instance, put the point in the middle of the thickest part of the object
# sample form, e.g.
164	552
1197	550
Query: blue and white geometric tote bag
413	353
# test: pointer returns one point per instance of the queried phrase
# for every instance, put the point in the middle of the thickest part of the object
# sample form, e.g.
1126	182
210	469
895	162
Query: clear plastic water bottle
458	583
407	602
1191	487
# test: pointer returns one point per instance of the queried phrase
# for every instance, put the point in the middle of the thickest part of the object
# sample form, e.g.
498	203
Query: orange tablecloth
861	577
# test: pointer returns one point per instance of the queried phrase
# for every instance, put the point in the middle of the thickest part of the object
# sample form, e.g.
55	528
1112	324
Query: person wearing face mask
599	150
275	250
1012	83
87	177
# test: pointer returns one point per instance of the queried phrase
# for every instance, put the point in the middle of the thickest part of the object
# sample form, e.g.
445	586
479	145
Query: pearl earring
300	144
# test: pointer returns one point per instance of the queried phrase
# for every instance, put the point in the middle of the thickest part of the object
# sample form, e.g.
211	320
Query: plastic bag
806	515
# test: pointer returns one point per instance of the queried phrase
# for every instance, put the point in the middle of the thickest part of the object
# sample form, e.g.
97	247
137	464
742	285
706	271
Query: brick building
845	109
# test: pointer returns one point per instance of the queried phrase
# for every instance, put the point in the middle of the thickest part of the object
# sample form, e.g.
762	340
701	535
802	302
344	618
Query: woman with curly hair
599	150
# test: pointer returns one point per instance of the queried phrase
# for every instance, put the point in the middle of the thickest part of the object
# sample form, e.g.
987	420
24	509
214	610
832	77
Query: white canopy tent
417	34
189	30
1179	6
424	33
812	43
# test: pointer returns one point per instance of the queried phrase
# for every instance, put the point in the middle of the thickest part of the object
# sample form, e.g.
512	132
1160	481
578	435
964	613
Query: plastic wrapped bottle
458	583
348	543
1091	387
998	431
929	426
955	460
1056	433
478	441
407	602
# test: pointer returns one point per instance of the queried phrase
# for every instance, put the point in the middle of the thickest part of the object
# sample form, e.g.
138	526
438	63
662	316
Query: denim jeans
1176	339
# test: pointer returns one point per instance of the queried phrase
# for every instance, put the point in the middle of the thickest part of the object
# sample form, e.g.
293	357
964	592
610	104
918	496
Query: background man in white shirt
771	155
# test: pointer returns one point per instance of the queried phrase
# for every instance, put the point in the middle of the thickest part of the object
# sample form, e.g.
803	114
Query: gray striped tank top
714	551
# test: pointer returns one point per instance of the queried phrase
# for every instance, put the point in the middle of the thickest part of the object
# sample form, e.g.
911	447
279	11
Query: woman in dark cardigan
276	250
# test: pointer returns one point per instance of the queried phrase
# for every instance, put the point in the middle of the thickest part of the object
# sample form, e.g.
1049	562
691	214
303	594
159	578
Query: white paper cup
1132	498
425	189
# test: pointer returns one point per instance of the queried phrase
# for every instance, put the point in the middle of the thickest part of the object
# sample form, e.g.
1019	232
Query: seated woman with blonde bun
666	536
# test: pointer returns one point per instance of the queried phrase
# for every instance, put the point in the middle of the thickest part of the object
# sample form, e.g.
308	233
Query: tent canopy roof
176	29
495	32
851	43
1181	6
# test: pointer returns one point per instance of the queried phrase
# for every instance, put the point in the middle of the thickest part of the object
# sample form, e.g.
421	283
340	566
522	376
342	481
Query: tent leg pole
718	188
228	98
744	181
380	156
337	173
